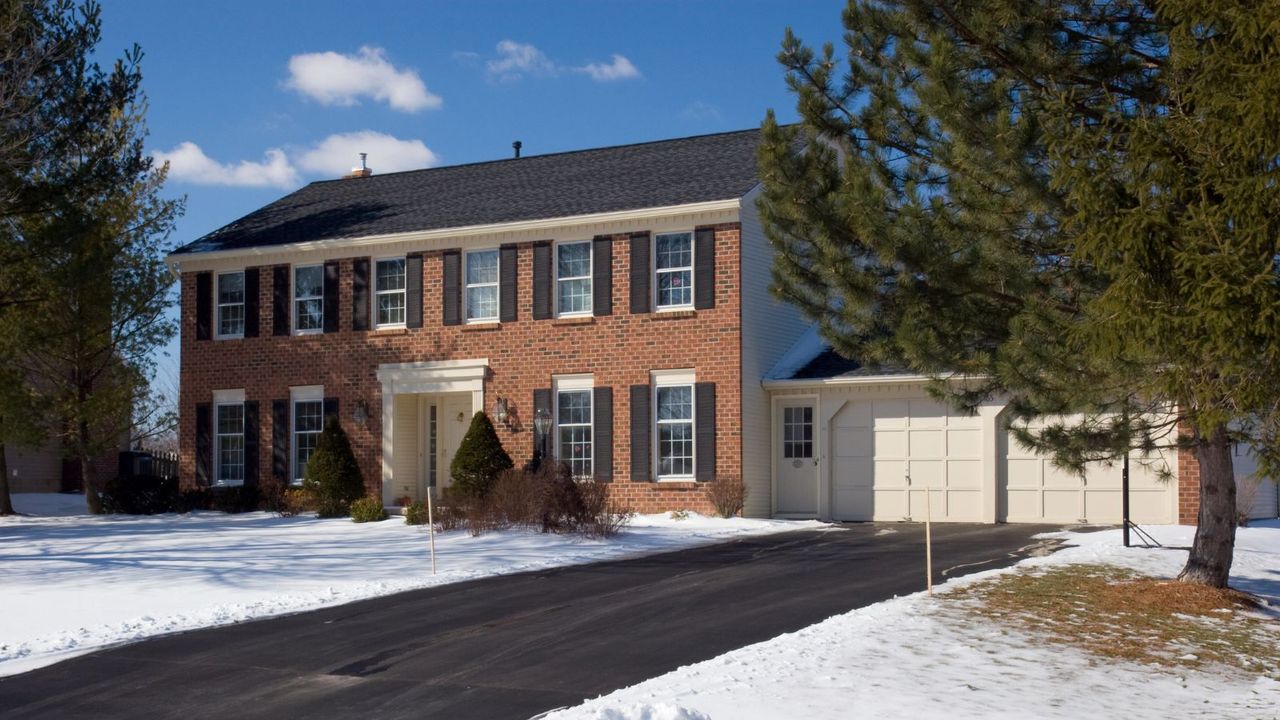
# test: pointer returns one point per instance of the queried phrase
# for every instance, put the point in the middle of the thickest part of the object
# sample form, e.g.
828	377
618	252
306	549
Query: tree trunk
86	471
6	503
1211	551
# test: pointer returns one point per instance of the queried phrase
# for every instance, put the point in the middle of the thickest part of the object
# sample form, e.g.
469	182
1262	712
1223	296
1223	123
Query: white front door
797	458
455	418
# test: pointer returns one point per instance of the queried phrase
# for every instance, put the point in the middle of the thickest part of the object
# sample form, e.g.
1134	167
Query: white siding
769	328
1265	497
404	447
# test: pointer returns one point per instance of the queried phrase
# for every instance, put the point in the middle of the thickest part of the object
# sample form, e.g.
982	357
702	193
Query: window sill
574	320
391	330
228	337
485	326
689	482
677	314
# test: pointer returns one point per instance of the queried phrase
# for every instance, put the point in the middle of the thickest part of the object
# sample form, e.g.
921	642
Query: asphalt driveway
513	646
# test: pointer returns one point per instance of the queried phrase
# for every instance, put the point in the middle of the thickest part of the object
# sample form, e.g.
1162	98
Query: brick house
620	292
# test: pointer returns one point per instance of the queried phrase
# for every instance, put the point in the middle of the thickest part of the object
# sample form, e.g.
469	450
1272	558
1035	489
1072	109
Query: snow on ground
920	657
72	583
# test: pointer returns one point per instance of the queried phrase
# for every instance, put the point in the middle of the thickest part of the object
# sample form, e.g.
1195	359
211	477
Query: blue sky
251	100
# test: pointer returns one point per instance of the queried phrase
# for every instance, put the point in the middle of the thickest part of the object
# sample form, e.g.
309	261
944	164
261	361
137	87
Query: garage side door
877	444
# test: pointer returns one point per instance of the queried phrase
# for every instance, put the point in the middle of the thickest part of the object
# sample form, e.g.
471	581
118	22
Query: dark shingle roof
830	364
626	177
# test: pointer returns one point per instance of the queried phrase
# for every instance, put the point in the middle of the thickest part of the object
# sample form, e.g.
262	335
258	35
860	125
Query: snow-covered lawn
920	657
72	583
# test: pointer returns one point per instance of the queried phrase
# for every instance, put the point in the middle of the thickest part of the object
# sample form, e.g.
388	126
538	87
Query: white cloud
620	69
188	163
515	60
699	110
335	155
335	79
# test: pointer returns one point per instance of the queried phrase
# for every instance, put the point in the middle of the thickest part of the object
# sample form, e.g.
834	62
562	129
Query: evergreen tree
333	477
479	459
1070	205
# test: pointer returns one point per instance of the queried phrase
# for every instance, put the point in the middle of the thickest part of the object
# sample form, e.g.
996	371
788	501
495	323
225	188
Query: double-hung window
389	284
308	421
308	299
673	401
573	278
231	305
482	286
574	414
673	267
228	408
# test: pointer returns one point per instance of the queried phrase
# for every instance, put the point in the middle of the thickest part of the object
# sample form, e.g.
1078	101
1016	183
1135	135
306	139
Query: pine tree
479	459
333	476
1070	205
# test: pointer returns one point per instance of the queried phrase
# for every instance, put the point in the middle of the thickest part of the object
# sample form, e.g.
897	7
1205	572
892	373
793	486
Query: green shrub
333	478
415	513
479	460
368	509
141	495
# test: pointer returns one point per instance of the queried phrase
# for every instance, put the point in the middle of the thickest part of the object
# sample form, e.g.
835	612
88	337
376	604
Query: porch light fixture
361	413
501	410
542	421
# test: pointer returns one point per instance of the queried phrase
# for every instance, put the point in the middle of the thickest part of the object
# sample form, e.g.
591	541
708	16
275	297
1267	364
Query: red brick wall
618	350
1188	487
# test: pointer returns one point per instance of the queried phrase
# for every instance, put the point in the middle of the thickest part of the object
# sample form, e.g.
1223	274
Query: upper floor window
389	285
229	450
308	298
673	265
573	278
482	285
573	415
674	405
231	304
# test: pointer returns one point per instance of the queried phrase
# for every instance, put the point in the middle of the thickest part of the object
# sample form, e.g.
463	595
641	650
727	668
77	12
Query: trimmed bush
333	478
727	496
368	509
234	500
415	513
479	460
141	495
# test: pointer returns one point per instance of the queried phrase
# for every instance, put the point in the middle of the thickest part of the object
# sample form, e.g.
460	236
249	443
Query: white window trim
293	293
218	305
668	378
496	285
303	393
373	306
555	277
225	398
569	383
653	264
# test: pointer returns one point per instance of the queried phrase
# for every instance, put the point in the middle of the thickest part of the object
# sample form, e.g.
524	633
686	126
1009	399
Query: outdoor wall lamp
361	413
542	421
502	411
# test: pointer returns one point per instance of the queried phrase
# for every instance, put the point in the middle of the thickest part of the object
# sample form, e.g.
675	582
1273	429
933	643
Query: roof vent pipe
363	171
517	145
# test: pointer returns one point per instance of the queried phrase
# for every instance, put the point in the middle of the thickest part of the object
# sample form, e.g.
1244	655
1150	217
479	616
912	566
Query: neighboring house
45	469
620	292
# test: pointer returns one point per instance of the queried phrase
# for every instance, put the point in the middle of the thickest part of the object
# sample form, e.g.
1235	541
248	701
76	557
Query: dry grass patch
1121	614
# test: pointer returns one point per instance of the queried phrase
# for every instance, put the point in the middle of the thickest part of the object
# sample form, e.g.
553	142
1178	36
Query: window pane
674	288
575	407
308	282
310	314
231	288
390	275
575	449
482	303
573	260
575	296
674	251
675	403
308	416
230	419
482	267
391	308
675	449
305	446
231	320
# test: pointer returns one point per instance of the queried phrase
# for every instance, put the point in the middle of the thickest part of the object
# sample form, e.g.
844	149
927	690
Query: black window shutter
704	268
508	270
251	302
641	434
640	273
704	431
541	401
542	280
251	443
280	440
360	294
413	290
331	410
204	305
331	296
452	287
602	276
204	444
602	432
280	300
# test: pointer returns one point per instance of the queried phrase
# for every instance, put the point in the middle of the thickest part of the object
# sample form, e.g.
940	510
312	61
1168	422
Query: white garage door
1258	493
877	444
1033	490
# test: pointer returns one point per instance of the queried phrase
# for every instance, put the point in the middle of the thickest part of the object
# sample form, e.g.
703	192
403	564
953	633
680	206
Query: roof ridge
535	157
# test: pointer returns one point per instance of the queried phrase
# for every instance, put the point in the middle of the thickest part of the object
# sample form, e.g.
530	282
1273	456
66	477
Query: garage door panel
890	504
964	474
854	414
852	503
1102	476
852	442
1057	477
890	473
889	413
1062	505
928	473
852	473
964	443
1103	506
964	505
1023	505
927	443
1146	476
890	444
927	413
1023	473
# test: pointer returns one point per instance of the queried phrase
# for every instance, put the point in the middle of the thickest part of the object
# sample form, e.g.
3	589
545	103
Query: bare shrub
727	495
516	497
603	516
